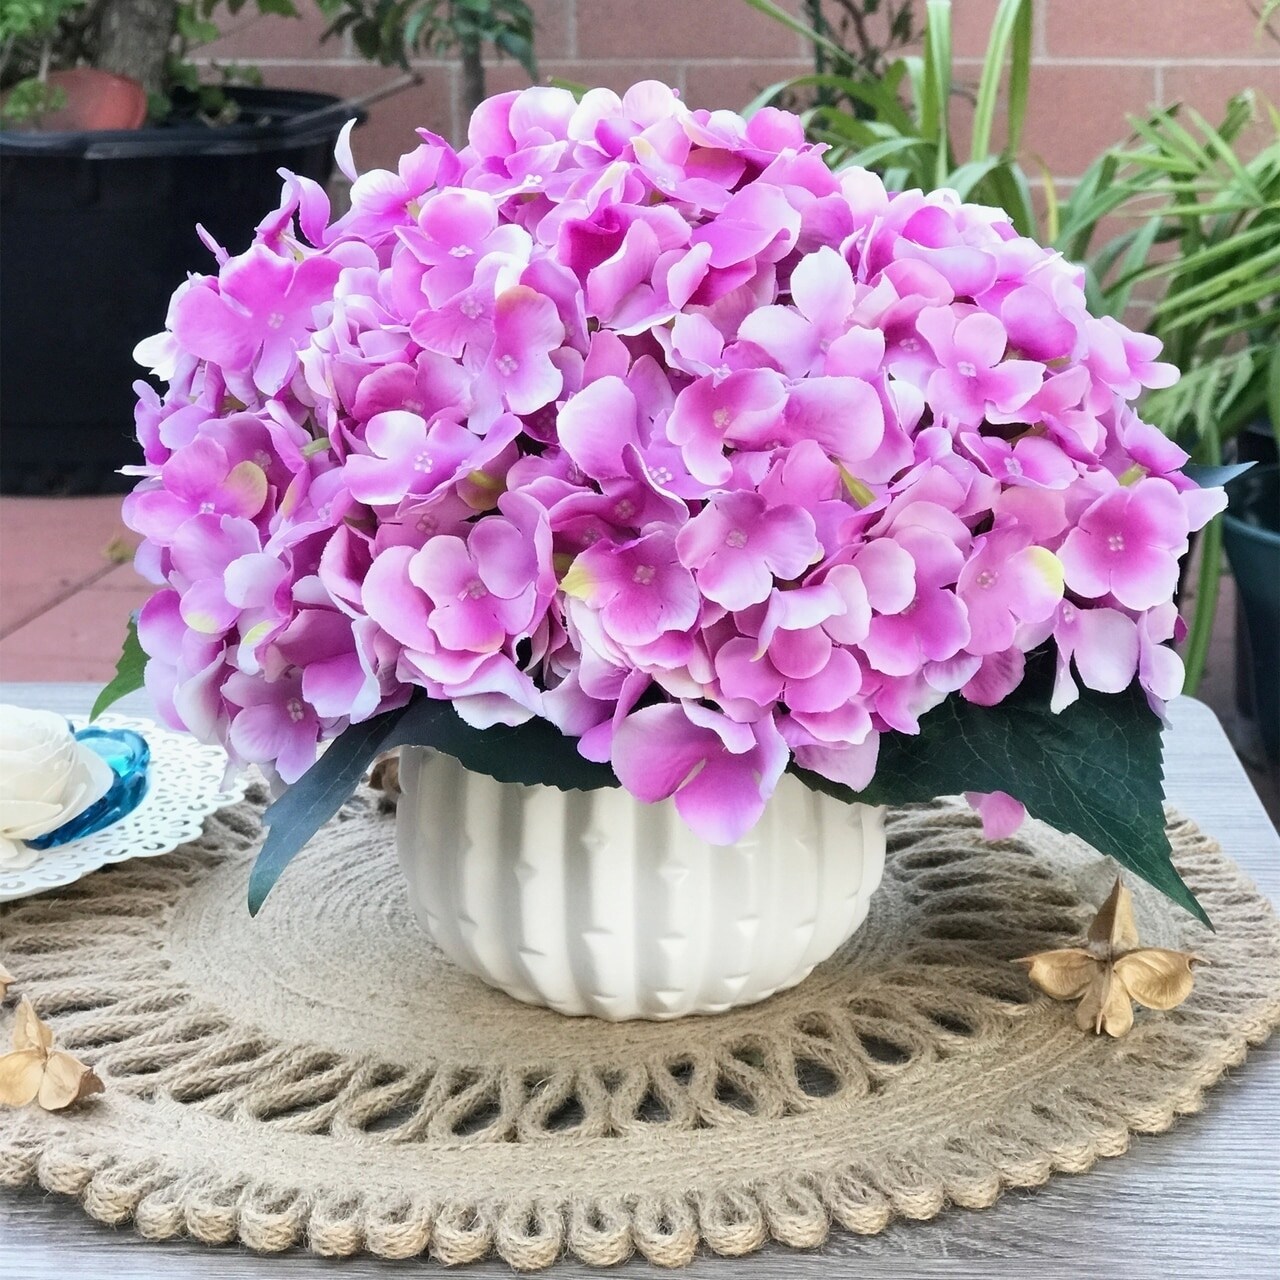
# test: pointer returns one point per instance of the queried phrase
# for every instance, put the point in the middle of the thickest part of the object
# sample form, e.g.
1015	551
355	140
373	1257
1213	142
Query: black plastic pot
1251	533
96	231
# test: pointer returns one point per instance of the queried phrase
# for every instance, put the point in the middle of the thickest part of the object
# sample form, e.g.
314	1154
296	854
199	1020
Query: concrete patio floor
67	587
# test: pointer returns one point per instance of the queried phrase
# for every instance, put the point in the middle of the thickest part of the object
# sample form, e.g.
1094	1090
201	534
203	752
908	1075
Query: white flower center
474	590
262	458
423	462
461	251
966	369
471	308
427	524
275	320
206	508
506	365
722	418
736	538
1013	466
294	708
625	509
987	578
1115	542
414	406
644	574
911	344
661	475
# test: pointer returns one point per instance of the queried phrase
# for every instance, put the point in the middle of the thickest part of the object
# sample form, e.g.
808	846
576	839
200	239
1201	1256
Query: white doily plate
186	785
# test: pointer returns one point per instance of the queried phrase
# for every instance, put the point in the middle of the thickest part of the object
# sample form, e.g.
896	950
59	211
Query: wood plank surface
1200	1201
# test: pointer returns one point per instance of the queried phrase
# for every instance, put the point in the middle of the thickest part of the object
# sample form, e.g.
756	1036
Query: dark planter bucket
96	231
1251	533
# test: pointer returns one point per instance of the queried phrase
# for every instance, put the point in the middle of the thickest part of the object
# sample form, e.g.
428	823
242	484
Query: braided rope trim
1089	1117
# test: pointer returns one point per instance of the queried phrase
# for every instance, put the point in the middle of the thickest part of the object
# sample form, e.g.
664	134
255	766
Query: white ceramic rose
46	779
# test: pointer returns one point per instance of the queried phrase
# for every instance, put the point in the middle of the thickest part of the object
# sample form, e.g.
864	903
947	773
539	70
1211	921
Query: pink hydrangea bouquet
632	445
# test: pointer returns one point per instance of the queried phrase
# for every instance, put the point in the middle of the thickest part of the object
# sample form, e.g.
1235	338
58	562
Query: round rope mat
322	1076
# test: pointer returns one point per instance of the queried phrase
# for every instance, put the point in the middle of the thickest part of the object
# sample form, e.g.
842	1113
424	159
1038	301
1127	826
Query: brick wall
1095	62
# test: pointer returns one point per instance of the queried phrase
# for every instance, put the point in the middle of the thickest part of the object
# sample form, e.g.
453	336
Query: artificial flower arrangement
631	445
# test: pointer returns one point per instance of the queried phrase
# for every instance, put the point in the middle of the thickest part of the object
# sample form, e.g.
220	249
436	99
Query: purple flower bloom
737	546
1004	584
259	312
720	772
526	329
640	589
642	420
742	408
274	724
975	382
1127	544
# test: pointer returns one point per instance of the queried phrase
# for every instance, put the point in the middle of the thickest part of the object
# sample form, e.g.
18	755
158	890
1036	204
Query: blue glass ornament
128	756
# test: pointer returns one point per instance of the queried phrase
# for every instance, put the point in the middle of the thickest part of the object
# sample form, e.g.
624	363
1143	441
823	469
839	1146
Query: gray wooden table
1200	1201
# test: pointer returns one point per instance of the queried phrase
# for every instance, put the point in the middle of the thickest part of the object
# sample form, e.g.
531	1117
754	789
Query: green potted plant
116	207
898	118
1206	236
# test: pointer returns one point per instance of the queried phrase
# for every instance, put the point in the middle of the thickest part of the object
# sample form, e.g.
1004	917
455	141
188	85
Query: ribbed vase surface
590	902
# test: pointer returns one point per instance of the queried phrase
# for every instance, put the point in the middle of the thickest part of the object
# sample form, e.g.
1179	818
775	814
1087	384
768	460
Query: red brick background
1095	61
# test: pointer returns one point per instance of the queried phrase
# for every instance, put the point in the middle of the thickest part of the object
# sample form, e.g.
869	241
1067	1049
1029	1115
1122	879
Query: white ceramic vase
592	903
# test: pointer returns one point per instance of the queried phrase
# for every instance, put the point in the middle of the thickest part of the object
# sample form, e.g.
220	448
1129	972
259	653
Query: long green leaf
1273	389
779	14
130	672
1011	27
1194	263
1013	193
532	753
1135	256
1170	139
1093	769
1260	322
871	157
311	801
1019	79
937	58
1242	297
1226	154
968	176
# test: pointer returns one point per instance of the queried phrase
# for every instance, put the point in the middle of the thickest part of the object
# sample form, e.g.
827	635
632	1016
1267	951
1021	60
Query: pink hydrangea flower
639	419
1127	545
737	546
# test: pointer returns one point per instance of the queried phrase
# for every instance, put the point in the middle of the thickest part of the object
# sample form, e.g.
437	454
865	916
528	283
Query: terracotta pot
96	100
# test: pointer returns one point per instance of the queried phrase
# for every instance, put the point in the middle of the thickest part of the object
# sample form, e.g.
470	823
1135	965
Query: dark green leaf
532	753
129	672
1093	770
311	801
1212	477
520	48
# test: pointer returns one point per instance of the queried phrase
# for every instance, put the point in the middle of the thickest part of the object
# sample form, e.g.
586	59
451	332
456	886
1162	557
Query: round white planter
590	902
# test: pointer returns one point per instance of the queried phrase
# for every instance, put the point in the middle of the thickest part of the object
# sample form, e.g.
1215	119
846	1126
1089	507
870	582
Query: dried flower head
37	1072
1111	970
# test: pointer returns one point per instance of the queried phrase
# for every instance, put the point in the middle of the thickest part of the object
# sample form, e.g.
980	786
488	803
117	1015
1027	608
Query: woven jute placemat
321	1076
